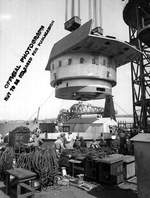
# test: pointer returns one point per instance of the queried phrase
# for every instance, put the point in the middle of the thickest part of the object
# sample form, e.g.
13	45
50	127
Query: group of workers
67	141
35	139
119	144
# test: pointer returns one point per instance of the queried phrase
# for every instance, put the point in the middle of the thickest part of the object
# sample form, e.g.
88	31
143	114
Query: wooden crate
128	166
76	167
24	180
110	169
91	169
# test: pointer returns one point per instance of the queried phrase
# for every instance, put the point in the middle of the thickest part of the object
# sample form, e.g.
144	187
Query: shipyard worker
6	138
94	144
82	142
76	143
69	140
1	139
115	144
37	131
122	147
102	141
56	128
59	144
37	141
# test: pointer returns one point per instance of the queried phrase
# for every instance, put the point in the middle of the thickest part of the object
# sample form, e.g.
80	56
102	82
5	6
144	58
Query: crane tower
136	14
83	64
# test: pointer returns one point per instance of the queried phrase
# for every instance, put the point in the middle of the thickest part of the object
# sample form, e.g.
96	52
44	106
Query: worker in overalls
69	140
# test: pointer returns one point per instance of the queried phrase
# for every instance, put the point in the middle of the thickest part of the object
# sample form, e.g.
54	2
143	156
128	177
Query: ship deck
123	190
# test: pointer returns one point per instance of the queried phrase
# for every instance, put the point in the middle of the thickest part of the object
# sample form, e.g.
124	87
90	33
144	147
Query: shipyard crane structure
84	63
77	110
136	15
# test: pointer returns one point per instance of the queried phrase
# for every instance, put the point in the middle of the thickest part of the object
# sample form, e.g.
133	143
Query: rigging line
41	105
79	10
121	108
73	9
90	9
66	11
46	99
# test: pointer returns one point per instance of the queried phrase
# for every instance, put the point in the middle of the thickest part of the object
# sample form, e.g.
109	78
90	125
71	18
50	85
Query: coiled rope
6	161
43	162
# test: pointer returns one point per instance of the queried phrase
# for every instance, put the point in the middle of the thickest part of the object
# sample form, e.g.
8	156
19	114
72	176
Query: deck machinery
83	64
136	14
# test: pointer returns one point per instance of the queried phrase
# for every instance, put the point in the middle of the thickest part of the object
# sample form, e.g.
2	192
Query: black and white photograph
74	98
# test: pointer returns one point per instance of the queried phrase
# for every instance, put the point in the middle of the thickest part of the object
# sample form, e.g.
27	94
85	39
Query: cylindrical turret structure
86	75
83	65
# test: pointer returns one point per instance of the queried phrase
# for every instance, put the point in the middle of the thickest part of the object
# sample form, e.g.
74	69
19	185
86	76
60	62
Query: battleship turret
83	64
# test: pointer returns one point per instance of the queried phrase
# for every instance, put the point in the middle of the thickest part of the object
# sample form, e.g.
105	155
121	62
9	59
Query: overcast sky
19	22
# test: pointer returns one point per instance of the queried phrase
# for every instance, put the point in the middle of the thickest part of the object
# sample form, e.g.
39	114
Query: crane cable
41	105
121	108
